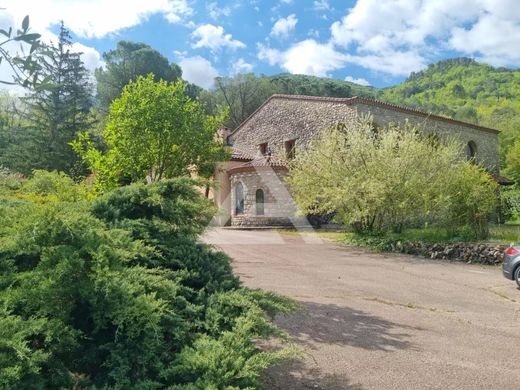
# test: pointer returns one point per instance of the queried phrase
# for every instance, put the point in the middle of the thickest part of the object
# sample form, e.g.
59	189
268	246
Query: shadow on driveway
295	375
331	324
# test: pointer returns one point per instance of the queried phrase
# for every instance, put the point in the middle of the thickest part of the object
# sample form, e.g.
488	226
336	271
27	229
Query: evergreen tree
127	62
58	112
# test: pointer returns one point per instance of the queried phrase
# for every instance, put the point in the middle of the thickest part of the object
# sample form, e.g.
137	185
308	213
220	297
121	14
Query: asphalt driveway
372	321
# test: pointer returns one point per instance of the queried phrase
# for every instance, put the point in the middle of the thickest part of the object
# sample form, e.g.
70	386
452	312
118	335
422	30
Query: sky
369	42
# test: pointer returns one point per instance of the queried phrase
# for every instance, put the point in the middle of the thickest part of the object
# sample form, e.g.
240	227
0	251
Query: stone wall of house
283	119
486	142
279	207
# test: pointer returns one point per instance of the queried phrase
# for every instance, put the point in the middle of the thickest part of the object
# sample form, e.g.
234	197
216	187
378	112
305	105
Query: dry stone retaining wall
468	252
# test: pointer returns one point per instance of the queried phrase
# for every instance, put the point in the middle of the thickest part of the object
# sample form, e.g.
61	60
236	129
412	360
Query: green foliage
54	185
472	198
390	179
24	67
9	182
121	294
57	113
244	93
512	169
154	131
510	204
125	64
505	233
464	89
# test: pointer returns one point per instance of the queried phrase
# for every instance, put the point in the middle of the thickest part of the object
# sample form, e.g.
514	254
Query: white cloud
90	56
395	36
199	71
241	66
213	37
321	5
215	11
360	81
271	56
305	57
95	18
284	26
496	41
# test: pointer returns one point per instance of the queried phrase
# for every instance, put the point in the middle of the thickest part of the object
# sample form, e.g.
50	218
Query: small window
239	195
290	149
471	150
263	148
259	202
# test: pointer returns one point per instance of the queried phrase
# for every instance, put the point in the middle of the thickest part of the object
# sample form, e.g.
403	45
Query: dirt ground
372	321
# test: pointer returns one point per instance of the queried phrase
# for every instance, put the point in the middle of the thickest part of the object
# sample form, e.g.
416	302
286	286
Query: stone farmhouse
252	190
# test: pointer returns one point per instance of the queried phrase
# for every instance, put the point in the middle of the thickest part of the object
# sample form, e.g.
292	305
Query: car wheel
517	275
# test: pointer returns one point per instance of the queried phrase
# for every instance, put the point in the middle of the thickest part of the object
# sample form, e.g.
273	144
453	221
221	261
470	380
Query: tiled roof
260	162
266	161
238	154
369	102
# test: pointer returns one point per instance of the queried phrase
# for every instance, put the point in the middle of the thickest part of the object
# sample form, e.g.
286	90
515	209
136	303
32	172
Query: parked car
511	264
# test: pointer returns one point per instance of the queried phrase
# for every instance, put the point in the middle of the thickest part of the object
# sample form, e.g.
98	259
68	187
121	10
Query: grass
505	233
329	235
498	233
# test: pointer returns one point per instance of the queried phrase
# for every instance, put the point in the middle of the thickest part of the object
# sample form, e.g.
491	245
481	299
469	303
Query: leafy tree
390	179
241	95
154	131
124	64
57	113
513	162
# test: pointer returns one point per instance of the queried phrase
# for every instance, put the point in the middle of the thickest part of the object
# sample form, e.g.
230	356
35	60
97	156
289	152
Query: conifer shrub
120	293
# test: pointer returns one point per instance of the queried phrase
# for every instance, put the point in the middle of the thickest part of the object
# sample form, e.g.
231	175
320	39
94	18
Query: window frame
263	148
239	200
260	206
290	149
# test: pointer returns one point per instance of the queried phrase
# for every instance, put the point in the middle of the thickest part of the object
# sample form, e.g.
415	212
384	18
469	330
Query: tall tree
124	64
58	112
154	131
240	95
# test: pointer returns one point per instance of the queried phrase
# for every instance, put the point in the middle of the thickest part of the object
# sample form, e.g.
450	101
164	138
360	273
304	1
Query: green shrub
9	182
120	294
389	179
510	204
54	186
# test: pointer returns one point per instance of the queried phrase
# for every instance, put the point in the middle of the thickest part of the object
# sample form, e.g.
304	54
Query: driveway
372	321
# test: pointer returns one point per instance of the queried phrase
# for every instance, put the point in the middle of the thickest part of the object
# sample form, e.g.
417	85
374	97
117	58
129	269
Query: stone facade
485	140
278	206
285	121
300	118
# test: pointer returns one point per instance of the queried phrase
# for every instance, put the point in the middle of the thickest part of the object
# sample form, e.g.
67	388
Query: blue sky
375	42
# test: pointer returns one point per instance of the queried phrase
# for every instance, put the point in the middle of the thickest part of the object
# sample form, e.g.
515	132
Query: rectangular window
263	148
290	149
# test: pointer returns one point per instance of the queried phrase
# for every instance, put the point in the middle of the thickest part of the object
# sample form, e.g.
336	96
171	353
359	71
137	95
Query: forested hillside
467	90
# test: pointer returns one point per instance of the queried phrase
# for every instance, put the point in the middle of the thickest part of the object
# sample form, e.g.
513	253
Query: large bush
380	179
120	294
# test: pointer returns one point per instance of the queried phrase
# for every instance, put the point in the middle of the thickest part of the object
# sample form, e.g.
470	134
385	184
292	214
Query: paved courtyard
372	321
